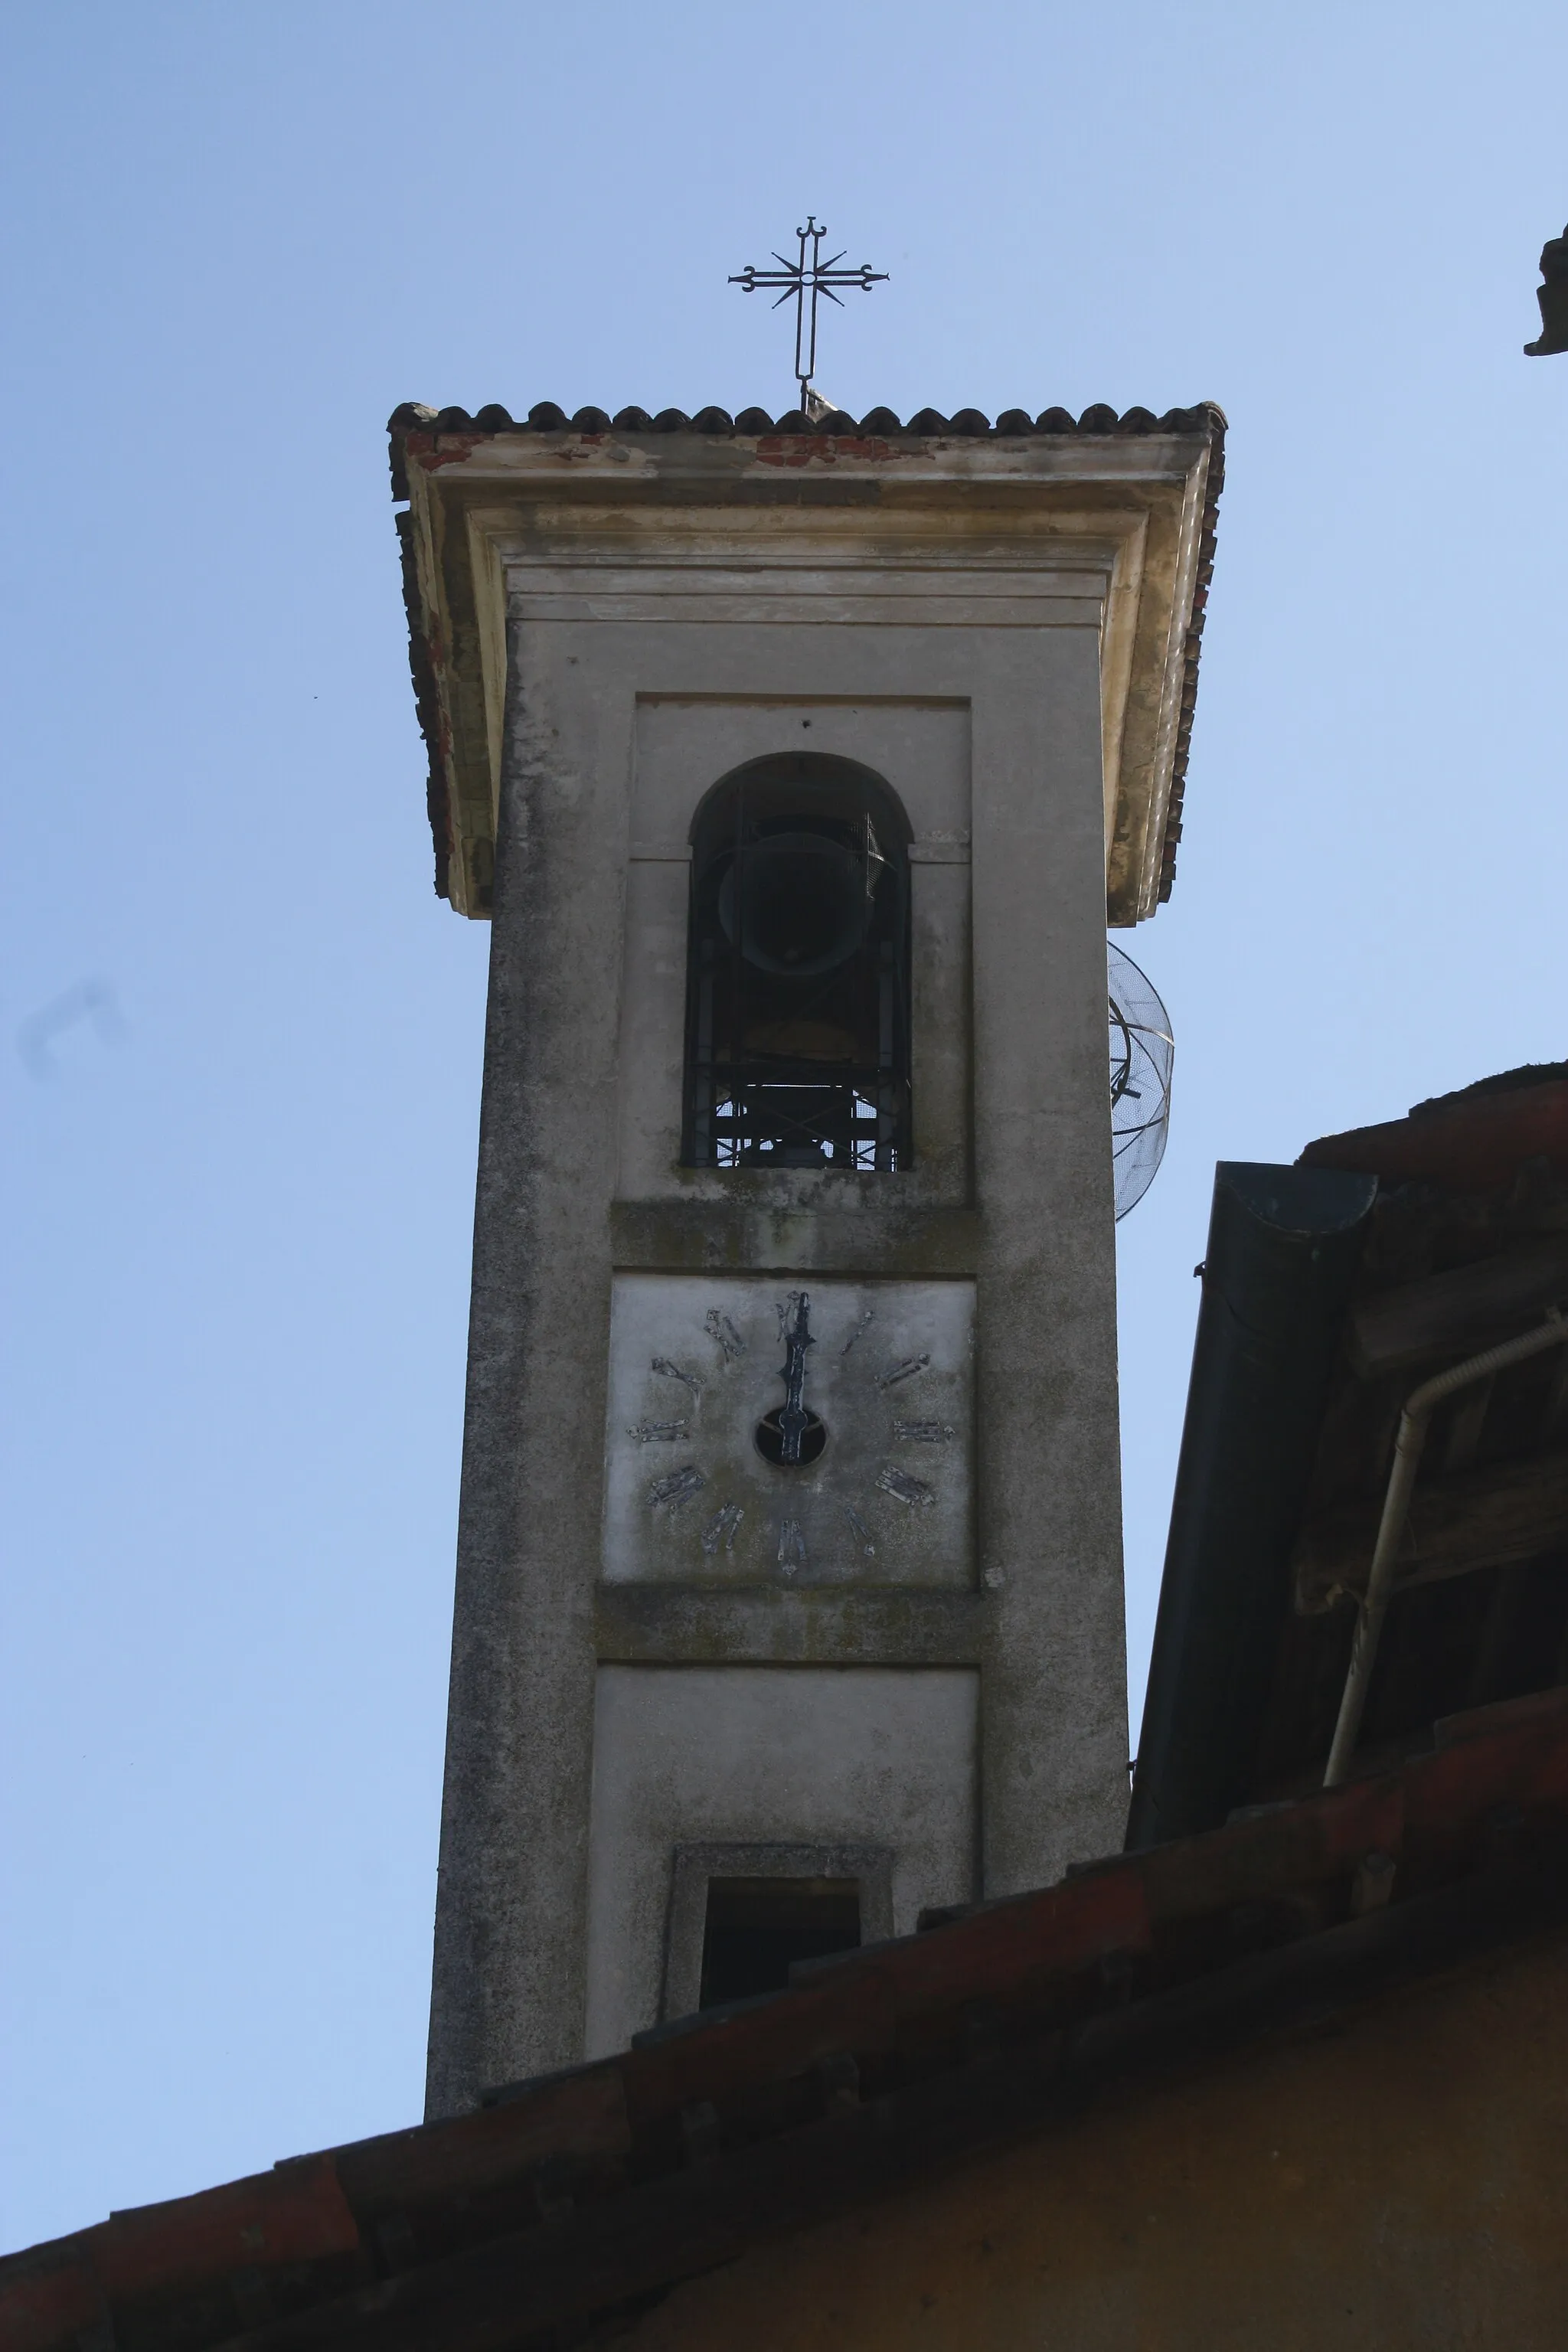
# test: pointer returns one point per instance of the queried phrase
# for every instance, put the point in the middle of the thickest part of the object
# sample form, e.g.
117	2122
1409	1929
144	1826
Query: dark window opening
797	1048
757	1928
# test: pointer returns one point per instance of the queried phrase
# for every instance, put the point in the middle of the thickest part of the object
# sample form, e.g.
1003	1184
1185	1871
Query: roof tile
548	416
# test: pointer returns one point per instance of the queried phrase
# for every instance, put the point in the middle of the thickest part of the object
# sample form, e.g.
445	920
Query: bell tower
797	766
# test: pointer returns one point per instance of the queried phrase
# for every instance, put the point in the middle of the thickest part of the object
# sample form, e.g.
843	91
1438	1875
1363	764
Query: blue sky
239	1038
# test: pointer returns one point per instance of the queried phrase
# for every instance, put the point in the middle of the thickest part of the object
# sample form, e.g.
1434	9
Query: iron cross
801	280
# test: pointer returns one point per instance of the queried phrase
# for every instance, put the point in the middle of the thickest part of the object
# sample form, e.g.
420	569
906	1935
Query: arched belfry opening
797	1040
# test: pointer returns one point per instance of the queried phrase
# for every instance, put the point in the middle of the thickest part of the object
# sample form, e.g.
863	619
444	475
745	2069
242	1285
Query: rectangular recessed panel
724	1773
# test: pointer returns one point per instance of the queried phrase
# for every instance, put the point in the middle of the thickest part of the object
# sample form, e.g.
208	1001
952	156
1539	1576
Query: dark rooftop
1330	1291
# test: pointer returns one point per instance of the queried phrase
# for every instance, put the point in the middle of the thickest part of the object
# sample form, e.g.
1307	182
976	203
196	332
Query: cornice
1092	478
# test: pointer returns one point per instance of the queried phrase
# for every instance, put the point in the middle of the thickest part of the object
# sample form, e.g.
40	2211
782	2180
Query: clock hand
797	1338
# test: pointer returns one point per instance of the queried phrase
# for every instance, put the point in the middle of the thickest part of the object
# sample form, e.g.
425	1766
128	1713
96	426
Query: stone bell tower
797	766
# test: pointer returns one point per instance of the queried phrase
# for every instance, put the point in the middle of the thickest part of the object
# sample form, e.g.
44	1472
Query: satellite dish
1141	1052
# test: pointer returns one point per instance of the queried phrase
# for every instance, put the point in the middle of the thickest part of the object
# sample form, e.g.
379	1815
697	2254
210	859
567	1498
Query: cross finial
801	280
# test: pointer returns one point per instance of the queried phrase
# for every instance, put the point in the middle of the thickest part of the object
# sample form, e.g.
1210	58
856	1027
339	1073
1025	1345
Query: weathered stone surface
997	626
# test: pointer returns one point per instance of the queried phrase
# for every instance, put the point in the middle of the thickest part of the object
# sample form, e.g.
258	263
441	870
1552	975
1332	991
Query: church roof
567	2198
420	431
878	422
1331	1290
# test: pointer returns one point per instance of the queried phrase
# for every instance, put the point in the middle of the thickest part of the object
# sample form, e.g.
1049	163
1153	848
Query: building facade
797	770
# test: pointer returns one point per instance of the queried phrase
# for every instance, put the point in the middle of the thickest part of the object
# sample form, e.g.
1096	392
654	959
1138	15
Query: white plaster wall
876	1756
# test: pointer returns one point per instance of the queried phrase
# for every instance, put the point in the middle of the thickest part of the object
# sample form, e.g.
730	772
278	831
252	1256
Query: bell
1552	297
803	904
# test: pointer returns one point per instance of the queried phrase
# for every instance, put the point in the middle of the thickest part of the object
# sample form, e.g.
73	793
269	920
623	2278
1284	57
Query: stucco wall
1390	2184
686	1753
641	660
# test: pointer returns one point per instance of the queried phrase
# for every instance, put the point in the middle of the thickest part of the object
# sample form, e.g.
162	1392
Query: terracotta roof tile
545	417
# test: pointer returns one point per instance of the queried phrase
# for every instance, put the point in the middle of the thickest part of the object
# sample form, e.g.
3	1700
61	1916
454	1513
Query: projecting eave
1136	493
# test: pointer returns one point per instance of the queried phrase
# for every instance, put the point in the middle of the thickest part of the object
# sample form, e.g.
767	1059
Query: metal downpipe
1414	1422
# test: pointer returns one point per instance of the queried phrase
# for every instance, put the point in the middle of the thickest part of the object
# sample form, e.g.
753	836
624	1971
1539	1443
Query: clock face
789	1432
